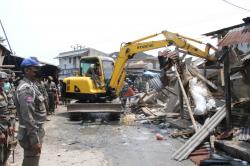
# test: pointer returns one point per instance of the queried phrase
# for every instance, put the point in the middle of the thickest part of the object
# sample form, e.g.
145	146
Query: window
84	67
108	67
69	59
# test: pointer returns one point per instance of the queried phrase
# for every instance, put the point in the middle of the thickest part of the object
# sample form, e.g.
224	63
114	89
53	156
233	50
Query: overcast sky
44	28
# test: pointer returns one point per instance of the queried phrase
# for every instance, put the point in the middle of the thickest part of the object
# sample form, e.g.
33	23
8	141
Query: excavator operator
95	73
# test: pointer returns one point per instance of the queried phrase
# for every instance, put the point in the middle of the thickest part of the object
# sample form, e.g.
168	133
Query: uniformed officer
41	86
6	128
52	91
31	112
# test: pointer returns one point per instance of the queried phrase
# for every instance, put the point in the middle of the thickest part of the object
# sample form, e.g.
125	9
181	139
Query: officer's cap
27	62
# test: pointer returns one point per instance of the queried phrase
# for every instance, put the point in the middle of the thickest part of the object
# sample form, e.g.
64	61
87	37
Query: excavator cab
98	69
91	84
90	87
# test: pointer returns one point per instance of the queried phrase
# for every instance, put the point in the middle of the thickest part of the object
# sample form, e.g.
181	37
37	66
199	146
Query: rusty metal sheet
247	57
199	136
94	107
236	36
243	134
200	154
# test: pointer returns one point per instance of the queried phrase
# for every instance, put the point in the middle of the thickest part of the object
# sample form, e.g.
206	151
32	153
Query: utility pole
6	36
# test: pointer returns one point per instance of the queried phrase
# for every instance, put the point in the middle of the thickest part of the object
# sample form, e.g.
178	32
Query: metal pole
227	89
5	36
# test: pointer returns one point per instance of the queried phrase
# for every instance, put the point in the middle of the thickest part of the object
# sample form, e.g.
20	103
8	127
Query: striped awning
247	57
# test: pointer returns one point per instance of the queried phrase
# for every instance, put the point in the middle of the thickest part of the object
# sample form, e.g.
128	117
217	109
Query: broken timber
186	99
202	78
199	136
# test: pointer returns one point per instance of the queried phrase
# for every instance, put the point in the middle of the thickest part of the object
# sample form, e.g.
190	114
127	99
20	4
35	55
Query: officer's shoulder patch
29	99
24	87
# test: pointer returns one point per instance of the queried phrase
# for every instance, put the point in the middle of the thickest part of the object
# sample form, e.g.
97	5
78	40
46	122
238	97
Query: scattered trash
159	136
128	119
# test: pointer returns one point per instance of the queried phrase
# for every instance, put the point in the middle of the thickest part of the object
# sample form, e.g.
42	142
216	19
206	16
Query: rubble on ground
195	118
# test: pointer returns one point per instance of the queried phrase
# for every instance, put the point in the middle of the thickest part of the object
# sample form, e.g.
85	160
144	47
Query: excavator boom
84	88
128	51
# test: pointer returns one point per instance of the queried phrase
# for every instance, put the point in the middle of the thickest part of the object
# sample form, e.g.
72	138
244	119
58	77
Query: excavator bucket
88	111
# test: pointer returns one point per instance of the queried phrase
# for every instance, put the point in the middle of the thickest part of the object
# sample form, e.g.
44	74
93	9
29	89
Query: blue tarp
151	74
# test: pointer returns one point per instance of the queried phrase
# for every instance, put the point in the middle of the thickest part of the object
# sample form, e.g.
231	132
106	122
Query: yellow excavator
93	90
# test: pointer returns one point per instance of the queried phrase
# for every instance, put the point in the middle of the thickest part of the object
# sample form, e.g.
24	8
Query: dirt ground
96	144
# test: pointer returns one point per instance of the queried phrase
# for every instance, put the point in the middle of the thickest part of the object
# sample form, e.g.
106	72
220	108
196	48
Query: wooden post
177	50
227	89
205	70
186	100
181	102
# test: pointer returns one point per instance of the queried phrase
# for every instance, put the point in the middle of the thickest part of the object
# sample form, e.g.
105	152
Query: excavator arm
130	49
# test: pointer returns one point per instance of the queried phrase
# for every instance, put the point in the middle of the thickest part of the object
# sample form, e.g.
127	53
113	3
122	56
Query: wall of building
94	52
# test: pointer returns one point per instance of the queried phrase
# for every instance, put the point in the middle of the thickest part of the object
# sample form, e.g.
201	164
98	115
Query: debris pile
193	104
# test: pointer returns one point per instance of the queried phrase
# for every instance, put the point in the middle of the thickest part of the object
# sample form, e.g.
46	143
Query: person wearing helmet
31	112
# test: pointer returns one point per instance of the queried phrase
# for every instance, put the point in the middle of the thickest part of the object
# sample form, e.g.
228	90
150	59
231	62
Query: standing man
7	140
52	90
41	86
31	112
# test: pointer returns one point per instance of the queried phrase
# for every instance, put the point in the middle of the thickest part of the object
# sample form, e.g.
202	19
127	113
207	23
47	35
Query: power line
236	5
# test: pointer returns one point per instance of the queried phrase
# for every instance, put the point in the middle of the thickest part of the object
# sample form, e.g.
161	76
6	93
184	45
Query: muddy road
96	144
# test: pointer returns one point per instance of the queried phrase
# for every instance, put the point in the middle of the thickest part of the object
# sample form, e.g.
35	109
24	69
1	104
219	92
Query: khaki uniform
52	90
42	89
5	123
31	112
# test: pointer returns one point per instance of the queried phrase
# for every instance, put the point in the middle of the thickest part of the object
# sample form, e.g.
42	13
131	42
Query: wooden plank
238	149
147	111
202	78
186	100
172	115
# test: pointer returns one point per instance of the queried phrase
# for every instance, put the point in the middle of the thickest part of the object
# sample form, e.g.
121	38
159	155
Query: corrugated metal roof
4	48
199	136
243	134
236	36
247	57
